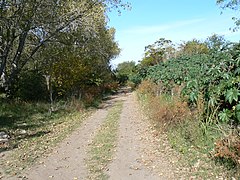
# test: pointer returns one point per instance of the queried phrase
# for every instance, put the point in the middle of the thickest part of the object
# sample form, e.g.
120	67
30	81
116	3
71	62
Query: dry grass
187	132
147	88
228	150
164	110
168	111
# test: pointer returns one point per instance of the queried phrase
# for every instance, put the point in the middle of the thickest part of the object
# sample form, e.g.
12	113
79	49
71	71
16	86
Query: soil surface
133	159
137	153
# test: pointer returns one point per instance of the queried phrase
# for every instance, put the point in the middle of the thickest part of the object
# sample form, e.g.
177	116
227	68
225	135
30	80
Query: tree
157	52
124	71
193	47
235	52
74	67
233	5
217	43
27	25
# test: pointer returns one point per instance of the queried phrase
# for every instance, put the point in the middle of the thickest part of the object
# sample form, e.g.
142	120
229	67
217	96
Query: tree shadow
8	122
12	144
14	122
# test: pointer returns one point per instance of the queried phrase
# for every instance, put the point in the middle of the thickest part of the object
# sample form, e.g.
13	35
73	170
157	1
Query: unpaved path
136	151
134	157
68	160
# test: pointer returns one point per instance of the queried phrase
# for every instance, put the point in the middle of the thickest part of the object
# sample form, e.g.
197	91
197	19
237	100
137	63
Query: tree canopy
124	71
59	38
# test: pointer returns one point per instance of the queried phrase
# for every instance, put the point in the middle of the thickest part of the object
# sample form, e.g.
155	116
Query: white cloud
133	40
160	28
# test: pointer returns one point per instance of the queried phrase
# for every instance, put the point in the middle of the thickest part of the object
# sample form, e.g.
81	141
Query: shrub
168	111
110	87
228	149
164	109
147	88
131	85
32	86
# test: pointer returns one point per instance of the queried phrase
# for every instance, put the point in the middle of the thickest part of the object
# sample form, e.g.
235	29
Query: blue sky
176	20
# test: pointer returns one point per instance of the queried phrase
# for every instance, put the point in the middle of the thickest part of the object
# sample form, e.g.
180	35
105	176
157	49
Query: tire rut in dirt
67	161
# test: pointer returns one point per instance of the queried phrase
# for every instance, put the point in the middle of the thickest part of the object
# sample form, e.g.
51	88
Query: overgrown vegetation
194	95
102	148
187	132
53	51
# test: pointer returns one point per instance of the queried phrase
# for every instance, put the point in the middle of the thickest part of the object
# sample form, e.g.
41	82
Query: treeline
51	49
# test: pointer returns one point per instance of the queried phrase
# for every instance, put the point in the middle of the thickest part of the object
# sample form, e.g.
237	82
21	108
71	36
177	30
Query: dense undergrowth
193	93
195	98
199	143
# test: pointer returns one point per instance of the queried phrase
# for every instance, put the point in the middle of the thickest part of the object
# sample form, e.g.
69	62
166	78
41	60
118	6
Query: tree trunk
50	90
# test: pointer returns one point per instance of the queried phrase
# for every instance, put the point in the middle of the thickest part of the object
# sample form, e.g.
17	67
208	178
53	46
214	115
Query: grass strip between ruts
101	149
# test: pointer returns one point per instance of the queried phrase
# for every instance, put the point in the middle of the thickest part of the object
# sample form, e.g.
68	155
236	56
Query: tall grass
188	132
165	110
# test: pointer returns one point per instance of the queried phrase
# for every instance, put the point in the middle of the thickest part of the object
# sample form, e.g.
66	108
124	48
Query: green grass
196	147
195	141
102	148
34	132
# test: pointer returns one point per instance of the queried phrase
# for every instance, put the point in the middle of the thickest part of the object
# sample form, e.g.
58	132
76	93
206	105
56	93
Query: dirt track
136	154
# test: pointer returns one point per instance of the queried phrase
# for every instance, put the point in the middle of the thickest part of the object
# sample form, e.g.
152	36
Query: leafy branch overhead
233	5
31	26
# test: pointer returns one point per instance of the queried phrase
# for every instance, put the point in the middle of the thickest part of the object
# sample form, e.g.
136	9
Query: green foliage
237	112
232	94
158	52
193	47
139	75
216	43
124	71
40	35
215	75
32	86
225	115
186	130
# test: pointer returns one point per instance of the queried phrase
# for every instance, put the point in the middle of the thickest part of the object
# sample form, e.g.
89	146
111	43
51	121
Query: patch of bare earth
67	161
138	155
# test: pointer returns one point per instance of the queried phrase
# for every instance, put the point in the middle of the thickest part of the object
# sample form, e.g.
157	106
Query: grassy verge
188	135
196	145
102	148
34	132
